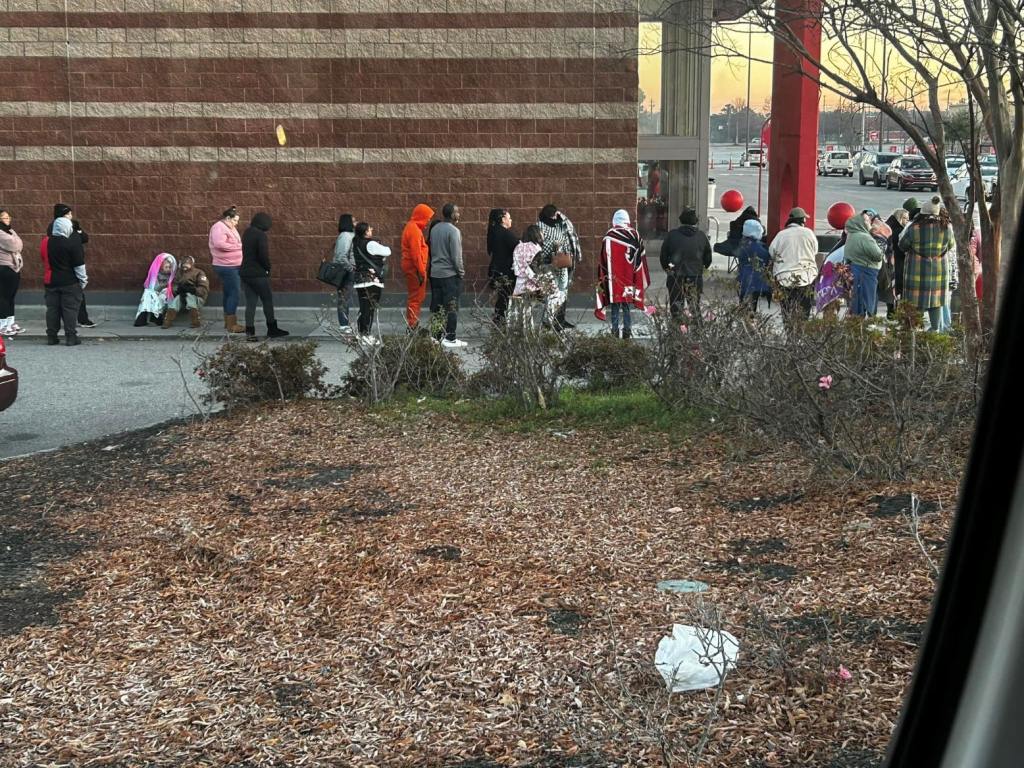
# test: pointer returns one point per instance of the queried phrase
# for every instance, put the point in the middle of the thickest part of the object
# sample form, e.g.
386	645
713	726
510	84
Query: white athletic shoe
345	329
454	344
370	339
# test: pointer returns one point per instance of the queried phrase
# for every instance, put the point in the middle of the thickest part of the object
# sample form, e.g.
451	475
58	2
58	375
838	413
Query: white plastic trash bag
694	658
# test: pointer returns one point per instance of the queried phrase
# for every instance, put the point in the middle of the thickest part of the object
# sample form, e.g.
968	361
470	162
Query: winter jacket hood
861	248
262	221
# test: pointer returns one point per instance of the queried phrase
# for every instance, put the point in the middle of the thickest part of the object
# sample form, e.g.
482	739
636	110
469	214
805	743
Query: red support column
793	149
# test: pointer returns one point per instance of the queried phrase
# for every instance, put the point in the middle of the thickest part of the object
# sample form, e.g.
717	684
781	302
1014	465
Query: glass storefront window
663	189
649	68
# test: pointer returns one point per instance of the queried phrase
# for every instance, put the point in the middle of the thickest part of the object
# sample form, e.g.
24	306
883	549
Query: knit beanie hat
910	205
752	228
931	208
60	209
688	217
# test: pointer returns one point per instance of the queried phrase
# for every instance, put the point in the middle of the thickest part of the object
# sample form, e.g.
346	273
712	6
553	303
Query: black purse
332	273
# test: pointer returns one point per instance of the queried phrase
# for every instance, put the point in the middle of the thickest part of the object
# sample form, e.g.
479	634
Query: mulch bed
316	584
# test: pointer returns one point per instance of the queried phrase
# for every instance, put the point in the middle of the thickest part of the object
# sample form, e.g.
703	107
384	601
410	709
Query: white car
961	179
835	162
754	157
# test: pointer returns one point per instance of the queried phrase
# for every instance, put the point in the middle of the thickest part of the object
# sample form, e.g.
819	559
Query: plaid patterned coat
925	242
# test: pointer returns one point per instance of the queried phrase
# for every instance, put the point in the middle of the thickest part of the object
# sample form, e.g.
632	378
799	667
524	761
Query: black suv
874	166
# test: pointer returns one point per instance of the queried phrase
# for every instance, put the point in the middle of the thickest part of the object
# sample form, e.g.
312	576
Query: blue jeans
232	282
344	293
864	298
627	323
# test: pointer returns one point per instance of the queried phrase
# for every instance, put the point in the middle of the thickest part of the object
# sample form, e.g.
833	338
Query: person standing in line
501	242
753	266
10	274
447	271
925	242
952	266
897	222
865	259
622	275
559	237
226	251
62	211
414	262
371	264
343	256
64	279
255	276
685	254
794	267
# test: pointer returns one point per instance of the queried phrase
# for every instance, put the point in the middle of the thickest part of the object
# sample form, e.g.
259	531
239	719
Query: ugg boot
273	332
197	319
169	316
142	319
231	324
250	333
72	340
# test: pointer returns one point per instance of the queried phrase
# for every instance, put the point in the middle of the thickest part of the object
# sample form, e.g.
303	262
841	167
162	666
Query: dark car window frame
947	661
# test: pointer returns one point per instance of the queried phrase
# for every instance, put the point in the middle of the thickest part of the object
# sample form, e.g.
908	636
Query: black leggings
9	282
369	298
258	287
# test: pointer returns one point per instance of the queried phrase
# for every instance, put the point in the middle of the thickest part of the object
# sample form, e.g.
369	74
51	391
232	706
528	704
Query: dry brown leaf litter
318	585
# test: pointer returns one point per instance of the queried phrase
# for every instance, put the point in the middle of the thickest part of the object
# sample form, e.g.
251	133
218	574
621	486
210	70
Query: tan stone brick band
226	42
316	6
300	111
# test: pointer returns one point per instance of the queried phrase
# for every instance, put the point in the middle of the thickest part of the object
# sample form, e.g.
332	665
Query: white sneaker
345	329
369	339
454	344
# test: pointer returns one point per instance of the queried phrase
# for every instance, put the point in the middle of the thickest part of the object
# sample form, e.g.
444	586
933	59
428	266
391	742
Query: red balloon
839	214
731	200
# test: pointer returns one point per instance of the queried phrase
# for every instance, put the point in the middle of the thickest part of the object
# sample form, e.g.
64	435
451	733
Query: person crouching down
157	291
191	287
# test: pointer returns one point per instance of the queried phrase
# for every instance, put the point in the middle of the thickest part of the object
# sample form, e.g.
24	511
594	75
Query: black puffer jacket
256	248
686	252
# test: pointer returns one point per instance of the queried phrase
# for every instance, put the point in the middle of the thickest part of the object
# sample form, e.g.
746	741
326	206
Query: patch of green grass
615	409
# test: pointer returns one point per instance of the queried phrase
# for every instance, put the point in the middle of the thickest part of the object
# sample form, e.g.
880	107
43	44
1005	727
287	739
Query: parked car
755	156
909	172
835	162
874	166
8	379
953	162
961	179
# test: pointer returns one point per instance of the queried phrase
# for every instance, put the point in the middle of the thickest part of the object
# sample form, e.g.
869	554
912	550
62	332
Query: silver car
874	166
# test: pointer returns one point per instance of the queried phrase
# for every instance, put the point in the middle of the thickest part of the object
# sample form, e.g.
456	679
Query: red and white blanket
622	274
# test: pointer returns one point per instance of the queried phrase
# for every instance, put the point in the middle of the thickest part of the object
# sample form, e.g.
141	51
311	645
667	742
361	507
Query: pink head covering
154	270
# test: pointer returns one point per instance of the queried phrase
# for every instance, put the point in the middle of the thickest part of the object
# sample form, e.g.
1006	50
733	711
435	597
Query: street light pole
885	86
750	37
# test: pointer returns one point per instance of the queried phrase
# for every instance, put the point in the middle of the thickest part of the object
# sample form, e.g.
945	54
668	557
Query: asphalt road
831	189
69	395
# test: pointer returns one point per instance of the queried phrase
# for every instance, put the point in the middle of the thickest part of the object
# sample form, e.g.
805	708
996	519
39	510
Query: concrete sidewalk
115	321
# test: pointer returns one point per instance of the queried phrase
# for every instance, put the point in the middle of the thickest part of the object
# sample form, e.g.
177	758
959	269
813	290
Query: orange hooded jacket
414	246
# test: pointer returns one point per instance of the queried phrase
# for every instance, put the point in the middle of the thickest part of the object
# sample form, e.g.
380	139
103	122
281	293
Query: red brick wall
569	126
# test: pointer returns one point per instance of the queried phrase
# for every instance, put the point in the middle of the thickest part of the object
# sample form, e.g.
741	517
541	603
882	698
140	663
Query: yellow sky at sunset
729	68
